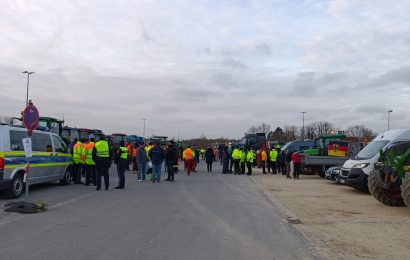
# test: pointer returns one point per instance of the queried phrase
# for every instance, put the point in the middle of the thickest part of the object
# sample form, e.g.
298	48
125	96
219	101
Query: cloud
201	68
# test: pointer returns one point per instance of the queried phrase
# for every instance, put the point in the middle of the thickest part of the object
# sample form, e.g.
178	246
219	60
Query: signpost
31	120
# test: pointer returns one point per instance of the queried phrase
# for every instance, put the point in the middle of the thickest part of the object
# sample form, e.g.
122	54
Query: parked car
333	174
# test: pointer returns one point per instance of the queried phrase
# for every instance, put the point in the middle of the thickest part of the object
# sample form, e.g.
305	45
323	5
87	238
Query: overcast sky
207	67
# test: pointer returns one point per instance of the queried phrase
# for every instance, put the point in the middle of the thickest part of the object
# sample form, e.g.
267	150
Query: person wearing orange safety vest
129	157
189	155
134	157
78	162
89	163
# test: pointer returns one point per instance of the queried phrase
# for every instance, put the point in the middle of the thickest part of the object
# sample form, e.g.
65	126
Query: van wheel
67	177
16	186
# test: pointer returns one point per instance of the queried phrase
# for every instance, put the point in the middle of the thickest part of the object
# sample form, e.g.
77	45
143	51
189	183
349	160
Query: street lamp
28	82
303	125
143	133
388	118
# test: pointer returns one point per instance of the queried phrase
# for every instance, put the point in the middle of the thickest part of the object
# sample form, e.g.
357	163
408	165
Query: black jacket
171	155
209	155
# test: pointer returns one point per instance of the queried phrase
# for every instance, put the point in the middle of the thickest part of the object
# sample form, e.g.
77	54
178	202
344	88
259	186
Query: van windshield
371	149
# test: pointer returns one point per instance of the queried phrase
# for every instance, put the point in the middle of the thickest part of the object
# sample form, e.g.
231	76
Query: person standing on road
288	159
230	152
273	156
102	157
122	154
171	157
188	156
242	160
264	157
90	174
142	159
250	157
236	157
296	164
157	157
78	162
209	158
134	157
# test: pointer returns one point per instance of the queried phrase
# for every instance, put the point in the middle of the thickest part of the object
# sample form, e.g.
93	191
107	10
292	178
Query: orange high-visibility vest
189	154
134	152
88	148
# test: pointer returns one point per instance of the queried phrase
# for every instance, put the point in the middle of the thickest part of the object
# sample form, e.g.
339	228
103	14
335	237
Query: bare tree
263	128
361	132
290	133
252	130
277	135
320	128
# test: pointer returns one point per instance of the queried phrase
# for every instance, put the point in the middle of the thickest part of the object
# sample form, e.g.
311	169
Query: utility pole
388	118
28	83
303	125
143	133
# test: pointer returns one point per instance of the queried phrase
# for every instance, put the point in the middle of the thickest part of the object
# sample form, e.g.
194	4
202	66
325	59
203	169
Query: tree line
311	131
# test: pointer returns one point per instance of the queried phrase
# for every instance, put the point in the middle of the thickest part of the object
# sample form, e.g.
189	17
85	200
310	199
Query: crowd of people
273	160
92	160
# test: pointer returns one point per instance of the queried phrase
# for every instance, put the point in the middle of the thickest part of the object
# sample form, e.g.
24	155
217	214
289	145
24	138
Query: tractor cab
330	145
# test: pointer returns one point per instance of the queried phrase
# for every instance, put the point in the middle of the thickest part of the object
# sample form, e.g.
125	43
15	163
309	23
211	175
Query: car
333	174
50	159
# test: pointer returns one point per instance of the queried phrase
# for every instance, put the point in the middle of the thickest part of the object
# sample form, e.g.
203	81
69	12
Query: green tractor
389	182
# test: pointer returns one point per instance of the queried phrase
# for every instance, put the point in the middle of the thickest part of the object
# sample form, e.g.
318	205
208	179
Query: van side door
61	157
42	156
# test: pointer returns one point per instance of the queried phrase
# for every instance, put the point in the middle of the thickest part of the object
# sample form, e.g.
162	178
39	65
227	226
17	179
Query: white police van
50	161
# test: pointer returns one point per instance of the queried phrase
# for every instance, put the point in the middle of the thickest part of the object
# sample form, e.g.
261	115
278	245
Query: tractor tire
405	189
375	184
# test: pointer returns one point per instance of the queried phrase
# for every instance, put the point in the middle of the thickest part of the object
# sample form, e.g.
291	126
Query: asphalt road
204	216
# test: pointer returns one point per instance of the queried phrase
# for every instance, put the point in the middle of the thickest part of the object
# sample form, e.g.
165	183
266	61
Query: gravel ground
340	222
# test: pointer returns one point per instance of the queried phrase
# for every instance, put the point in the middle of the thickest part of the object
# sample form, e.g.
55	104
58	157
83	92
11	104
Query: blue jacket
157	155
142	155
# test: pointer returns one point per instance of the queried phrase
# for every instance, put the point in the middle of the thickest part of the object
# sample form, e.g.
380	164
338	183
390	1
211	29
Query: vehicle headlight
361	165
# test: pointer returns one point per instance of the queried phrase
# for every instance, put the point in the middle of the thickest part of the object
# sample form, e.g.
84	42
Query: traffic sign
31	118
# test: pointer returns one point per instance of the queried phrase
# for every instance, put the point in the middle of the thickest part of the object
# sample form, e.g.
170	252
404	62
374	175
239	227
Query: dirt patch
340	222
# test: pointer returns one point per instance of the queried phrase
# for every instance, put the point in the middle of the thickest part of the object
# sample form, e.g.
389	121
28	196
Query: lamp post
303	125
388	118
143	133
28	82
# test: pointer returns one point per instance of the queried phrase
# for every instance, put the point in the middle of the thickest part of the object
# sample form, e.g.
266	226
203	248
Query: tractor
389	182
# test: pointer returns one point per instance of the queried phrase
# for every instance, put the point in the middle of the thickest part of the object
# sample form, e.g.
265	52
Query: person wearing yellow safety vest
188	155
122	154
78	162
102	157
242	161
273	156
236	157
264	159
89	163
250	158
